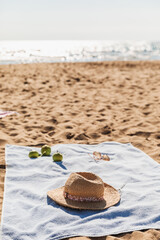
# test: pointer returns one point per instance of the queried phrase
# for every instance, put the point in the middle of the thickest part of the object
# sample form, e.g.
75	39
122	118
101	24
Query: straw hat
85	190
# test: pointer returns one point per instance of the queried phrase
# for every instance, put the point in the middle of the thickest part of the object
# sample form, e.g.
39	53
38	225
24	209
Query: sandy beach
82	103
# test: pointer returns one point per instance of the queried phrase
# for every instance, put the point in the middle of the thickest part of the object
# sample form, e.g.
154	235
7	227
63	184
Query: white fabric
29	214
6	113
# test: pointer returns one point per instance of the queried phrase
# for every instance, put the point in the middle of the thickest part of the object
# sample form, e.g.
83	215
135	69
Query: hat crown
84	184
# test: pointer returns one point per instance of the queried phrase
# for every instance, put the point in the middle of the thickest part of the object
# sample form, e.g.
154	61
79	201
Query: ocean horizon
16	52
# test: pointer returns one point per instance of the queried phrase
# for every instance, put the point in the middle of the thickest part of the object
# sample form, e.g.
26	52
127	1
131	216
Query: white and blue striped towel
29	214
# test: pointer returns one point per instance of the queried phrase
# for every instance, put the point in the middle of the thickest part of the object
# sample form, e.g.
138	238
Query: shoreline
78	50
87	62
81	102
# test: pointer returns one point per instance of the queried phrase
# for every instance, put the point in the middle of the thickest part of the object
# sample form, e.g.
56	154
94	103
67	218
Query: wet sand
82	103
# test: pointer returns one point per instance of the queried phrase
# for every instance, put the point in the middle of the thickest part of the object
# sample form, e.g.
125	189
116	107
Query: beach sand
82	103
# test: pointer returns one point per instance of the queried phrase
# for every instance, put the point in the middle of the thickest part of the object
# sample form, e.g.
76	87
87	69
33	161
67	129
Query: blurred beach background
12	52
80	72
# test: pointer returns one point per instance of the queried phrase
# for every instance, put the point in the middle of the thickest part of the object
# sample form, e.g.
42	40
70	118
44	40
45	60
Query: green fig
57	157
46	150
33	154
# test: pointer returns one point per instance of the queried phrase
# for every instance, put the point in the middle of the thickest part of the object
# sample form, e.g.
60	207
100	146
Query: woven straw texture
111	197
87	184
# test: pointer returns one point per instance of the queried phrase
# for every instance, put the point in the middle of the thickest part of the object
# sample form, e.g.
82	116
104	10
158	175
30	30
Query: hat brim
111	197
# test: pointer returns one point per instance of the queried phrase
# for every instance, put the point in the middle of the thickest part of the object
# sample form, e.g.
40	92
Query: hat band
82	199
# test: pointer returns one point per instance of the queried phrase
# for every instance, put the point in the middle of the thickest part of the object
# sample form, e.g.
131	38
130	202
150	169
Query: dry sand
82	103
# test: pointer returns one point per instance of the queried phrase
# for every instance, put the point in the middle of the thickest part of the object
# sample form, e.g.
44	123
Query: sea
15	52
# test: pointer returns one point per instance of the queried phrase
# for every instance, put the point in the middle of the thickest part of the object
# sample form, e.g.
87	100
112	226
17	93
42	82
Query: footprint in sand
69	135
81	136
53	120
13	134
94	135
69	127
106	130
2	141
140	133
49	128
